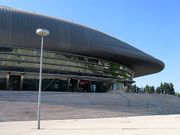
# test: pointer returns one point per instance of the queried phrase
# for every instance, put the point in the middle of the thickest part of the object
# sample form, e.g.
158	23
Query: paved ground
89	114
141	125
22	105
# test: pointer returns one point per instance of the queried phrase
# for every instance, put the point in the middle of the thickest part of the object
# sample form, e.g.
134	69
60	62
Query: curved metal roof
17	28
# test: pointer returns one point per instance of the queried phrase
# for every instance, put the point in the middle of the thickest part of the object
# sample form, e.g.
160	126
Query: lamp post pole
42	33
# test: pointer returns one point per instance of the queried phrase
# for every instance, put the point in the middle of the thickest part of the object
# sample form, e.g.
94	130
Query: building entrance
14	82
73	85
78	85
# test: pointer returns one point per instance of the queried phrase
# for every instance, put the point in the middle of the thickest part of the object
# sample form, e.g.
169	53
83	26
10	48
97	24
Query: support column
21	82
68	83
7	81
78	84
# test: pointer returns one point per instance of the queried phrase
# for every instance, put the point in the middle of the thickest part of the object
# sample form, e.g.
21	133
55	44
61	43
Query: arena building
76	58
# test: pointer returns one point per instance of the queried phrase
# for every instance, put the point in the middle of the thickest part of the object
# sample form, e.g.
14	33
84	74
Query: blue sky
150	25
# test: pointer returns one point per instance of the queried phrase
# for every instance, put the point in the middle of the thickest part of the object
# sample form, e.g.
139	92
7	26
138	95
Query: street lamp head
42	32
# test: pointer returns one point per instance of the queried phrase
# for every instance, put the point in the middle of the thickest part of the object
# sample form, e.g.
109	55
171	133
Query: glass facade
26	61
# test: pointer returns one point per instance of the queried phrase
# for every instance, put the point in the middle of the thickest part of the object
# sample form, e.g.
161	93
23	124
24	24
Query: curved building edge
17	30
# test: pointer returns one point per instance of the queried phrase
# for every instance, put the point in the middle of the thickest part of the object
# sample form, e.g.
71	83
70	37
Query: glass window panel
57	62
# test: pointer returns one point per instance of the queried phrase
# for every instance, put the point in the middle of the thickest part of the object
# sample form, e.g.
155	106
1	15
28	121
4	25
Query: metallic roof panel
17	28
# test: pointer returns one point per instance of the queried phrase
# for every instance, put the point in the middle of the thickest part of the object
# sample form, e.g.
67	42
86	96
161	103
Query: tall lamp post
42	33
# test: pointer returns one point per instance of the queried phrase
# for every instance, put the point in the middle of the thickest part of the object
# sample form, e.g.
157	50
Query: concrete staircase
89	105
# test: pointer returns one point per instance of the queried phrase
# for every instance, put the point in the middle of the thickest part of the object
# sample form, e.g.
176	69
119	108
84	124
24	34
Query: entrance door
14	82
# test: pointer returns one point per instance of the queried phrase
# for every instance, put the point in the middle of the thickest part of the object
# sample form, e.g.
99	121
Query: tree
177	94
136	89
149	89
165	88
171	87
159	90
